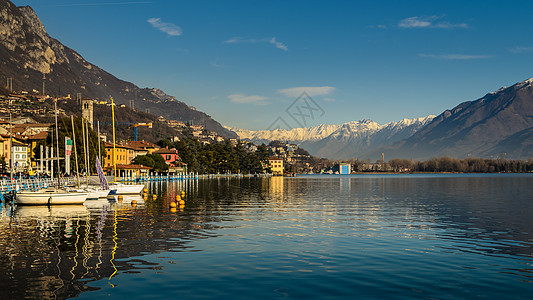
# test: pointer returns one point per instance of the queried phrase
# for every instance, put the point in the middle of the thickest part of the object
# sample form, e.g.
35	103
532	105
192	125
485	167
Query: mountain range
498	125
343	141
31	57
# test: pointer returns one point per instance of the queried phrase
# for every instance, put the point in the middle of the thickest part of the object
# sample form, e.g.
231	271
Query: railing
33	184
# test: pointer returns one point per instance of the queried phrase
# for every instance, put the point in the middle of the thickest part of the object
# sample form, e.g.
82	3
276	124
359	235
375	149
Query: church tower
87	110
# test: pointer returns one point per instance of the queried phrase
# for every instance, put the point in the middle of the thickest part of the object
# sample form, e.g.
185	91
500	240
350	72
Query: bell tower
87	110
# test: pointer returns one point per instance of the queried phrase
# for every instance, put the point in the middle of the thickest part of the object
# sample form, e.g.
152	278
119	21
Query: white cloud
273	41
428	22
278	45
310	90
454	56
168	28
251	99
521	49
327	99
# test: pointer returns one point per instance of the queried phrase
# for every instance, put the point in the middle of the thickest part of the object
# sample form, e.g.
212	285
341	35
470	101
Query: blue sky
245	62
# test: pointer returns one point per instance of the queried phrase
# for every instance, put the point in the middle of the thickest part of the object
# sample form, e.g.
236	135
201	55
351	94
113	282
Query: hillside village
25	137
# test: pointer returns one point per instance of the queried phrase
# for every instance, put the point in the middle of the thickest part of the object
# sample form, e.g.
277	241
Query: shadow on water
63	251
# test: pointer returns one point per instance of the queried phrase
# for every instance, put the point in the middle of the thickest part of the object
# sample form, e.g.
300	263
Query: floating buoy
182	193
120	198
173	210
145	194
145	198
182	202
145	190
133	202
178	198
172	204
154	197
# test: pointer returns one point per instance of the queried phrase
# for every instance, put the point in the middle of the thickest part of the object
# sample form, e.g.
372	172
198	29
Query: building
276	166
128	171
20	157
149	147
345	169
124	154
170	155
87	110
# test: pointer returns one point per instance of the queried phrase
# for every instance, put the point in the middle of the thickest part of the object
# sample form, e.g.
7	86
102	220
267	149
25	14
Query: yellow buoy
182	193
120	198
145	190
154	197
173	210
172	204
182	202
133	202
145	198
178	198
145	194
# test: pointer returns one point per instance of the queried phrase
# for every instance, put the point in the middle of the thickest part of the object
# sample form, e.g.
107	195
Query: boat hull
44	198
128	189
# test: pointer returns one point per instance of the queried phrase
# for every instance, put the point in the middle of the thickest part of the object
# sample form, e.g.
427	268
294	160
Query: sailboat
52	195
121	188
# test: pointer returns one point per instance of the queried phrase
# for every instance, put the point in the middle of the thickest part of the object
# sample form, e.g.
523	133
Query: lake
442	236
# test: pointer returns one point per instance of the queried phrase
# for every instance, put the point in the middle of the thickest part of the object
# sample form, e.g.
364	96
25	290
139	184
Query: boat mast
11	163
57	144
99	152
88	156
114	151
75	152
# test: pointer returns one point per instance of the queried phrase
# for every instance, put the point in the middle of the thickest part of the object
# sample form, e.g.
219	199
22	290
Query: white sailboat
50	196
122	189
54	195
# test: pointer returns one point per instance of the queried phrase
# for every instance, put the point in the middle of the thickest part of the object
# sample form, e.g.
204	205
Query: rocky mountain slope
28	53
500	124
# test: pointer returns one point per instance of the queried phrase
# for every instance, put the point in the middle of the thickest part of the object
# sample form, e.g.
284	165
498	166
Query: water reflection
339	227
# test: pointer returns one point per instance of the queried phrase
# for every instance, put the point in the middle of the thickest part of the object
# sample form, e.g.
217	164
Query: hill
31	55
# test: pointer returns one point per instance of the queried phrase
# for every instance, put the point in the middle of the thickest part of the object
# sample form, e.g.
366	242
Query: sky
247	63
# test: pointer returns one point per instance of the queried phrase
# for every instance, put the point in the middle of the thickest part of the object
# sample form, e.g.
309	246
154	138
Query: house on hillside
276	166
170	155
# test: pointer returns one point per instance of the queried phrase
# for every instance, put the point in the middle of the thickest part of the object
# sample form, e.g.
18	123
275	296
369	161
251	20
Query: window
168	157
17	156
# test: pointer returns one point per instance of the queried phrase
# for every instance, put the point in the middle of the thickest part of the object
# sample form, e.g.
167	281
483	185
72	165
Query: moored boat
127	189
50	196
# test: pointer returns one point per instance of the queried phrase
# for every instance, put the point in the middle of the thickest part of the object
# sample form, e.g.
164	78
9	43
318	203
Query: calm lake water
392	237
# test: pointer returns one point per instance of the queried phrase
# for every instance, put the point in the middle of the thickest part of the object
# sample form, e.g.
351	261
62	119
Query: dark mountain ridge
29	53
500	124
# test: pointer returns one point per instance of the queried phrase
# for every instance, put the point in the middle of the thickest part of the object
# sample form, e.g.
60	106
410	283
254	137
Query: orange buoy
120	198
133	202
145	190
173	210
182	202
178	198
172	204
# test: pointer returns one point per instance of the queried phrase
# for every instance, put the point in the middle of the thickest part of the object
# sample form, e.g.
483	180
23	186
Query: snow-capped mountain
342	141
295	135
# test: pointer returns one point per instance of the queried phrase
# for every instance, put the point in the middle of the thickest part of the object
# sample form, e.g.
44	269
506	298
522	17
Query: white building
20	157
